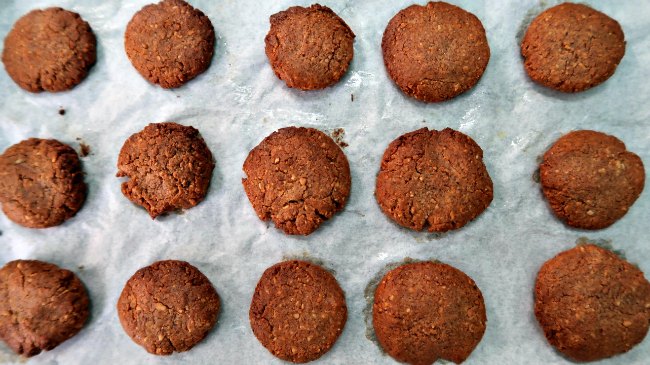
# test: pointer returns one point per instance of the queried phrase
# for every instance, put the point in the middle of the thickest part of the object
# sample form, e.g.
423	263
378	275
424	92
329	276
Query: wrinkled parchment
239	101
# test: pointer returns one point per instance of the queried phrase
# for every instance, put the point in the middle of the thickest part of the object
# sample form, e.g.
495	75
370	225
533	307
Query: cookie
433	179
436	51
572	47
592	304
309	48
169	43
298	311
41	306
297	177
49	50
590	180
169	168
427	311
41	183
168	307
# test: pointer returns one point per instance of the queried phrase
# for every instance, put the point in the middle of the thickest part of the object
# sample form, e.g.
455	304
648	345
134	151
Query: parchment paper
239	101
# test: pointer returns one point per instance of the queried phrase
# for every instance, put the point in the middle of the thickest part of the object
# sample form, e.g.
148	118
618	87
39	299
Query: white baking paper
238	101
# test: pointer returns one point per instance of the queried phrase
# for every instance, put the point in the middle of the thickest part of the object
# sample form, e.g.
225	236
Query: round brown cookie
435	52
590	180
572	47
298	311
41	183
435	179
592	304
297	177
169	167
309	48
51	49
427	311
168	306
41	305
169	43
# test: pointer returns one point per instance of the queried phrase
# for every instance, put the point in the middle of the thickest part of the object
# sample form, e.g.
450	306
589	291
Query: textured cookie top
433	179
590	180
41	183
428	311
41	305
169	167
592	304
298	311
309	48
167	307
50	49
435	52
572	47
298	177
169	43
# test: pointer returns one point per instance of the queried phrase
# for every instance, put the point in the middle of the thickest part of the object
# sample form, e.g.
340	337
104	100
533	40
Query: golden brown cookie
170	42
433	179
436	51
49	50
169	167
41	306
297	177
592	304
590	180
298	311
41	183
309	48
572	47
168	306
427	311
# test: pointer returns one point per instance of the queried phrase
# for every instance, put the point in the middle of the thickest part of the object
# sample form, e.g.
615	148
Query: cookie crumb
337	135
85	149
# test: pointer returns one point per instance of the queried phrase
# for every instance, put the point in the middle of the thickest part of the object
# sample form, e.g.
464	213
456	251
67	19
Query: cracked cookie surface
433	179
427	311
41	183
167	307
592	304
590	180
309	48
435	52
49	50
298	311
41	306
169	43
572	47
169	167
297	177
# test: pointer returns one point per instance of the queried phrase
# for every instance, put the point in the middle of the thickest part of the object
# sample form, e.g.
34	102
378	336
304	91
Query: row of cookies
299	177
432	52
590	303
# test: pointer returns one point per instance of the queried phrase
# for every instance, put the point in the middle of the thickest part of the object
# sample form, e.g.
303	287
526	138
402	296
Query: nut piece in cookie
433	179
572	47
309	48
170	42
297	177
41	183
298	311
169	167
167	307
590	180
41	305
49	50
427	311
436	51
592	304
